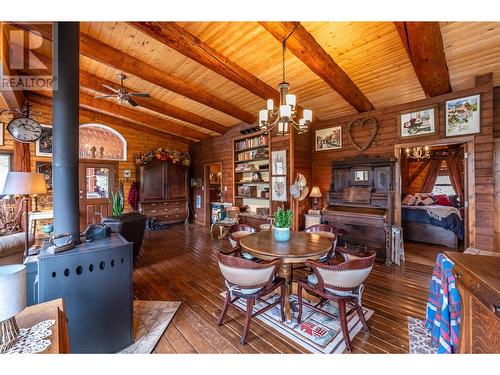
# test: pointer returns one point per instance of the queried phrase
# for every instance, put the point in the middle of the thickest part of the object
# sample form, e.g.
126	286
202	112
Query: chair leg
299	299
248	318
282	302
359	309
224	309
343	324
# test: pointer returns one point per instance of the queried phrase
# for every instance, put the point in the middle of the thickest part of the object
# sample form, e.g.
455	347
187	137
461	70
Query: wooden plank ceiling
204	77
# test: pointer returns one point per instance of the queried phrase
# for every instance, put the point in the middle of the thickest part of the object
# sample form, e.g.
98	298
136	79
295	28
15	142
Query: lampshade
25	183
315	192
12	290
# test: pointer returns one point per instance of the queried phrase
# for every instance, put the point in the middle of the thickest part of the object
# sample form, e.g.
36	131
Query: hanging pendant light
285	115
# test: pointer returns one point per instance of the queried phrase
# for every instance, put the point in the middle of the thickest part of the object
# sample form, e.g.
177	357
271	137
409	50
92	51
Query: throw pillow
409	200
426	201
442	200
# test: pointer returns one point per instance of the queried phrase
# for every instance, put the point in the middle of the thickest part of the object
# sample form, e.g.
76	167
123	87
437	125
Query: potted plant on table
282	224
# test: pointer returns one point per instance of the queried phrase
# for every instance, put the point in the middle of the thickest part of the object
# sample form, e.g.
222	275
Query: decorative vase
281	234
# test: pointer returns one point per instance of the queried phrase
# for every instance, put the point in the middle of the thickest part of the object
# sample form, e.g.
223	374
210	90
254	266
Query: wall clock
25	129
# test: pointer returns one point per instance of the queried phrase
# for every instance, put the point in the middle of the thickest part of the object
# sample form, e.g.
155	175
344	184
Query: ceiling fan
121	94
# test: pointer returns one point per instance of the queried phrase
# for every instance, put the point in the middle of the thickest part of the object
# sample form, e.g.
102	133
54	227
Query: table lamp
13	301
25	183
315	193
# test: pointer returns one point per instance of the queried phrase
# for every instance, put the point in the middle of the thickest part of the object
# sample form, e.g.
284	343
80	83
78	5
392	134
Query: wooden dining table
300	247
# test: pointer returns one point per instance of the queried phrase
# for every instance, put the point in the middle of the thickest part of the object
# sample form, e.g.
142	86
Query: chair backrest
324	230
232	212
345	276
246	274
237	231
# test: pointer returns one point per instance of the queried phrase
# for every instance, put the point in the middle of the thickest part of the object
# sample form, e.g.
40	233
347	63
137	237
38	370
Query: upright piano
360	201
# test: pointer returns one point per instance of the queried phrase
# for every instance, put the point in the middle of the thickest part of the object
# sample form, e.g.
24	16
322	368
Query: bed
435	224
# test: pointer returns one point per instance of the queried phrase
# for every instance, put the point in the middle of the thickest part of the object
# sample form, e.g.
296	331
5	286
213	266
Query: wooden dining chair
324	230
342	283
226	218
236	233
250	281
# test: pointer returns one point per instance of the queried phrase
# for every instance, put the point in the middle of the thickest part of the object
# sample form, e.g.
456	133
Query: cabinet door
382	178
153	182
341	179
176	182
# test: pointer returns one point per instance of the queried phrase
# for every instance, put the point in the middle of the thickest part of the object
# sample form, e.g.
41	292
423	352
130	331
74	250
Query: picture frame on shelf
45	167
463	116
328	139
278	159
278	188
418	122
43	146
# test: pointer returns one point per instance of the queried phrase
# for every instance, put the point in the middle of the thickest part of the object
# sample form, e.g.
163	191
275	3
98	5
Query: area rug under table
317	333
151	319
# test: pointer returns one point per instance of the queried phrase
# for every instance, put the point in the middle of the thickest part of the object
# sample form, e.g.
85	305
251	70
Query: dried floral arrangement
165	155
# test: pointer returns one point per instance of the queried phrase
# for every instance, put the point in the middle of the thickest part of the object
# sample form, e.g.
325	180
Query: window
4	169
443	186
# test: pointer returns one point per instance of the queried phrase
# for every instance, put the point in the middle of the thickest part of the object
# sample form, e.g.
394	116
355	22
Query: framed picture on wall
328	139
418	122
463	116
46	169
43	146
278	188
278	162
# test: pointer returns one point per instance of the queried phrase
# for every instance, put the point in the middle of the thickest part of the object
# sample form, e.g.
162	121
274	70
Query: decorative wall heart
362	124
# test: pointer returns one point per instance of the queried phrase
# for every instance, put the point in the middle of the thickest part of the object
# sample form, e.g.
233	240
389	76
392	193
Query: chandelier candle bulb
270	105
307	115
283	127
285	111
263	115
290	100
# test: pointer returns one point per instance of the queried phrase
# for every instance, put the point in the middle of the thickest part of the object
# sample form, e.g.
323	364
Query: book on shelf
261	140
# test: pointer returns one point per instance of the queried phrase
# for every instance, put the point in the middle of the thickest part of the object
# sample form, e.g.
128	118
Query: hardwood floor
180	264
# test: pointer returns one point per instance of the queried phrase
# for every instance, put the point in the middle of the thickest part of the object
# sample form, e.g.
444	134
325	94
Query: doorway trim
206	190
469	177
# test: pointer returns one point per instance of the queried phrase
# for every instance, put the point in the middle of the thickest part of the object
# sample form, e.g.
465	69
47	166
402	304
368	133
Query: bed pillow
442	200
425	202
409	200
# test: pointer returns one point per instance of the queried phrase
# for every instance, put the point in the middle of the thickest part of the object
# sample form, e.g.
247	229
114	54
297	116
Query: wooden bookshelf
255	147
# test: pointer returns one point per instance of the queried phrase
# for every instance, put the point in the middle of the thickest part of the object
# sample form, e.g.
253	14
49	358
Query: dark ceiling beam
303	45
141	119
424	44
105	54
177	38
94	83
174	36
86	115
13	98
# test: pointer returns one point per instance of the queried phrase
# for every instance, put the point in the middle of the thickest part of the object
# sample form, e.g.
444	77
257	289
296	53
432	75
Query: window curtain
453	162
431	176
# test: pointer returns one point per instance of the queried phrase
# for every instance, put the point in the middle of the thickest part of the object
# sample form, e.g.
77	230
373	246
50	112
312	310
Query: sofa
12	248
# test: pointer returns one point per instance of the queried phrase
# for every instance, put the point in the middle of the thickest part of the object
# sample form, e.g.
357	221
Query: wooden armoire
164	192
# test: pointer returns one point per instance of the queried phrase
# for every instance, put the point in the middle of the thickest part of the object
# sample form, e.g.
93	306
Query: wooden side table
312	220
59	340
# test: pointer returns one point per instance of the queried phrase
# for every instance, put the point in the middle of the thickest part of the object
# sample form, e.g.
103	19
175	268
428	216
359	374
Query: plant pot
281	234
